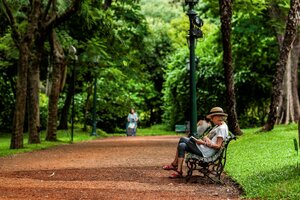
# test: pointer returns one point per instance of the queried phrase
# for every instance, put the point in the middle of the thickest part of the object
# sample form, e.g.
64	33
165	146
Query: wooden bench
184	128
210	167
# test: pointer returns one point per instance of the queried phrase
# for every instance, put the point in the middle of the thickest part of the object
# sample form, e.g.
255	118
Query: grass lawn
265	164
63	137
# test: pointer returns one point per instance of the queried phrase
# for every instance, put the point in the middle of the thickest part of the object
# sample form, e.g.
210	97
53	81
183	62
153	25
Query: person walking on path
132	120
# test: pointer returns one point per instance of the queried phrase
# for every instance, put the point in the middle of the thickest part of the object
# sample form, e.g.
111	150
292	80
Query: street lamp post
94	131
194	33
73	51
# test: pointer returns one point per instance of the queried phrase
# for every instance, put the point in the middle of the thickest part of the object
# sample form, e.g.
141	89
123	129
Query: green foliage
112	99
209	76
255	52
256	69
114	55
158	129
8	59
265	164
176	92
6	104
43	110
161	10
139	50
178	31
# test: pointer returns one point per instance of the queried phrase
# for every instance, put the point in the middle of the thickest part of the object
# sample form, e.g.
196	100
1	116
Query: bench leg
191	165
216	171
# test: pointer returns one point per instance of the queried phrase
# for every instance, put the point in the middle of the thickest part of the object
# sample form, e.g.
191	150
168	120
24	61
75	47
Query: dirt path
111	168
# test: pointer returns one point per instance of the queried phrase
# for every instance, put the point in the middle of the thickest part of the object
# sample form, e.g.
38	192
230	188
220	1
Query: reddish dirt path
111	168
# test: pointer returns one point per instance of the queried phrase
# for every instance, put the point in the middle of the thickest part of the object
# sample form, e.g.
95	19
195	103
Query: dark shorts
186	145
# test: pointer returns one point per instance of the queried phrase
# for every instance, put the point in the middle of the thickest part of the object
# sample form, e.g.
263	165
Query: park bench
182	128
210	167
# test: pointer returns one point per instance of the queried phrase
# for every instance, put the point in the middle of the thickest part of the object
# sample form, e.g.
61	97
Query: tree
24	42
289	38
225	14
8	71
289	102
59	67
39	24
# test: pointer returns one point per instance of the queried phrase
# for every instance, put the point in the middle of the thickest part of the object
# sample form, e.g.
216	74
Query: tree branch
56	20
15	33
47	9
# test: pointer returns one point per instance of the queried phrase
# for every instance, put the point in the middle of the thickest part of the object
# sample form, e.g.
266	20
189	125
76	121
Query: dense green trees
255	52
136	51
283	66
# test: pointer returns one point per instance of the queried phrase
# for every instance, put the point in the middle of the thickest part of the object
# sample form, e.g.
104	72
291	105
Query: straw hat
216	111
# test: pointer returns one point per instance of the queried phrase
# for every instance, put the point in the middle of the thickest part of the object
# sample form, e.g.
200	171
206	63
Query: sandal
176	175
170	167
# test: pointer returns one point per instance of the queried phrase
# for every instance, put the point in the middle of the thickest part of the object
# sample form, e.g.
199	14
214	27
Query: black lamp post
73	51
94	131
194	33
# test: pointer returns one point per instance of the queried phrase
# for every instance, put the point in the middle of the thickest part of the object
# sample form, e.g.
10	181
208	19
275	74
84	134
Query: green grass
158	129
63	138
265	164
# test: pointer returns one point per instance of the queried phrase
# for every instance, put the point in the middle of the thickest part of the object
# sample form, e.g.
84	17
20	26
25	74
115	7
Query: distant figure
132	120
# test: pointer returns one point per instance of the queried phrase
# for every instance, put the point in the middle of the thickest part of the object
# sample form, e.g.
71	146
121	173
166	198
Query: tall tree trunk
295	63
288	109
57	80
289	37
283	111
33	97
25	45
63	122
226	13
19	114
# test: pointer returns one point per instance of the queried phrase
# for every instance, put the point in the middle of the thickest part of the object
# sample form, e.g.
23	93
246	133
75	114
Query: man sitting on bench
205	147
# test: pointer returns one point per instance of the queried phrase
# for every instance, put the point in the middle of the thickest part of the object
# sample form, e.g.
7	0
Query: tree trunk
21	93
25	47
63	122
289	37
284	106
295	63
33	97
288	109
226	13
57	80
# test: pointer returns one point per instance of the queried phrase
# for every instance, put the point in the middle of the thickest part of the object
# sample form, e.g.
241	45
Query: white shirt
219	131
